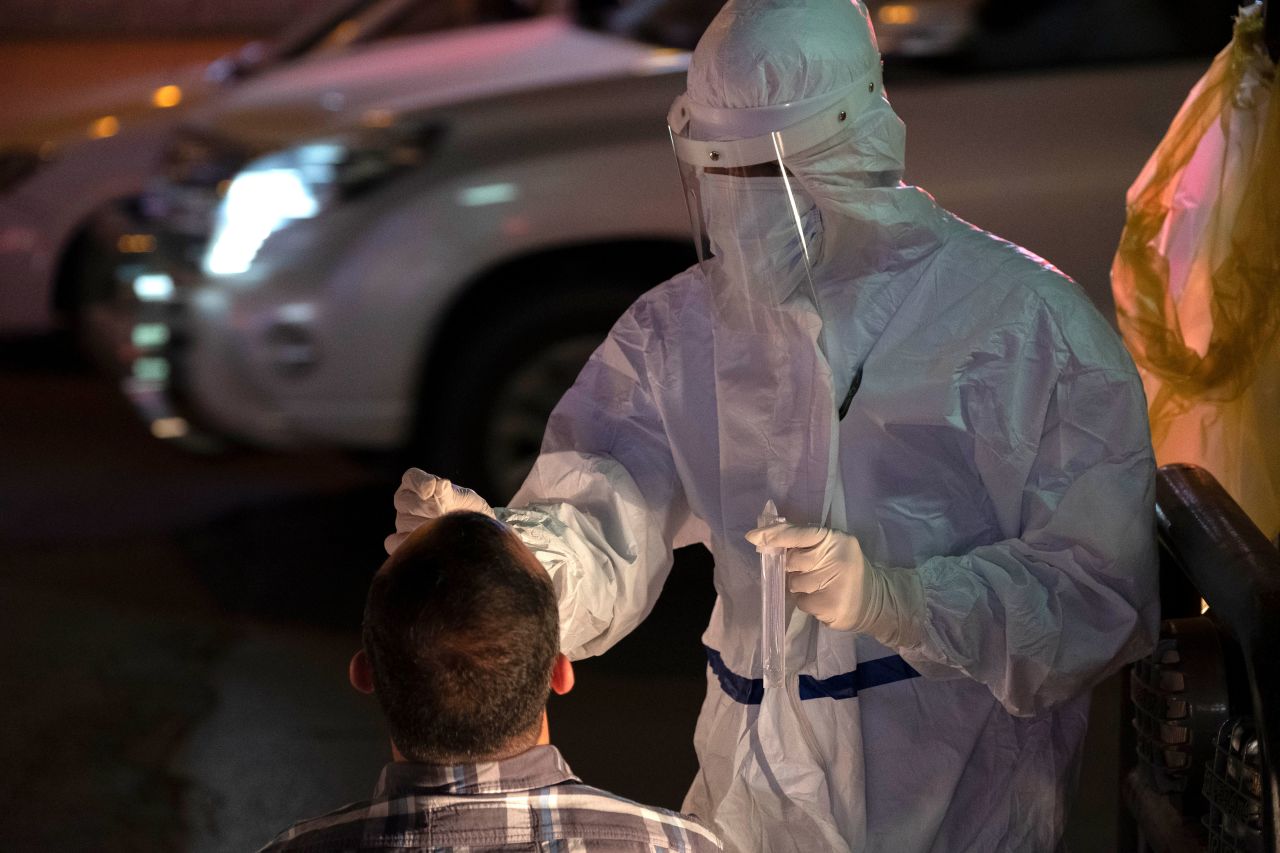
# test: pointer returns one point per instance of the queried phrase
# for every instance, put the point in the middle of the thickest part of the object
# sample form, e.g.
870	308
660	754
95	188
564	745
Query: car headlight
300	183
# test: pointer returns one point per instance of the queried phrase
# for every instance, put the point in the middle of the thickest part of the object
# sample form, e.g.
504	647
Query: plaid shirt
531	801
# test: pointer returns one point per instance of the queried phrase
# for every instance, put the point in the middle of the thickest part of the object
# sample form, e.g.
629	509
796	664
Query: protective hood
774	68
764	65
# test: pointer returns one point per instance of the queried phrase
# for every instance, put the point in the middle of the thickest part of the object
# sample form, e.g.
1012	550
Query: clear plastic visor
757	232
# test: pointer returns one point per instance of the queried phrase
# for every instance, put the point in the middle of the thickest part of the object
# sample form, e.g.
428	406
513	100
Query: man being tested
461	650
955	435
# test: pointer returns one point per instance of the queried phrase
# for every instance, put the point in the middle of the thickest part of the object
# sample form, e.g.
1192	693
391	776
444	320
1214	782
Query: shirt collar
539	767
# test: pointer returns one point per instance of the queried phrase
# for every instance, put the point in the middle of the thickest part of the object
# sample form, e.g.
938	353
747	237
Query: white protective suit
997	445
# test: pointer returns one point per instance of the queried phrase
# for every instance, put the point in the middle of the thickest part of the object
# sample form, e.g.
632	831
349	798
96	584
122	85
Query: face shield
757	231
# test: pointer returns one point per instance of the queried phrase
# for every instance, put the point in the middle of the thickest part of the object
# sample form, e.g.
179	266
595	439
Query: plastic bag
1196	278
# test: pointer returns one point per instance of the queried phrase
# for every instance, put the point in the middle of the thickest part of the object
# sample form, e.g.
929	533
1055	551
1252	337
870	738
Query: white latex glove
831	580
422	497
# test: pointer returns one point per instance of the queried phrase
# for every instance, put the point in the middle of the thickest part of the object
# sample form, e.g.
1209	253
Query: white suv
70	176
420	243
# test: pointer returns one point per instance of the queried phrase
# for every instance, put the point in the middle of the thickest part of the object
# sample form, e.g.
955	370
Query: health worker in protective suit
957	440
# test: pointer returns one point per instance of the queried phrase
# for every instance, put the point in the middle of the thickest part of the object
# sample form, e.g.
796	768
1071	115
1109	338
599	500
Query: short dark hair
461	635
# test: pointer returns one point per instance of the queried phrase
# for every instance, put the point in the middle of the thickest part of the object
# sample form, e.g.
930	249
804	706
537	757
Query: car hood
364	86
63	119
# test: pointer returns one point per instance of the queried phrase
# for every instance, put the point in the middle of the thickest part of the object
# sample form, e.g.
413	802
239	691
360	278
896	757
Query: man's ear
561	675
359	673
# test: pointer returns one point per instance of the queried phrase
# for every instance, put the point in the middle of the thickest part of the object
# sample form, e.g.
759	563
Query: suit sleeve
1042	617
603	507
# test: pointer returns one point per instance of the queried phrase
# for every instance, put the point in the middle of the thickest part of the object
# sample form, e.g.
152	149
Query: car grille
183	199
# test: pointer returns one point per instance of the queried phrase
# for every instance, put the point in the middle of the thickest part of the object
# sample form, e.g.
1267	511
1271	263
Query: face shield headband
756	230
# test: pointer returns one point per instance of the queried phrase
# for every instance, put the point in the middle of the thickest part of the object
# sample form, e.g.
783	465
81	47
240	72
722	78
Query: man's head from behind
461	642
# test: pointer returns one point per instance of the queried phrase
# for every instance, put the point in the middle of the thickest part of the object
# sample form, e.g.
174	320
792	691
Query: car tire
483	409
88	272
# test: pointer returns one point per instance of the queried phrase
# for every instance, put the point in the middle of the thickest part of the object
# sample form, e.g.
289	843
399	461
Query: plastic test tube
773	607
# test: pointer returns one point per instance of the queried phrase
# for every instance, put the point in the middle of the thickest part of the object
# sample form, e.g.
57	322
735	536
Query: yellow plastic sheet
1197	277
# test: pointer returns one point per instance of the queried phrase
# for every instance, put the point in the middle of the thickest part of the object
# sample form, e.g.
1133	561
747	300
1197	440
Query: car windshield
338	25
974	34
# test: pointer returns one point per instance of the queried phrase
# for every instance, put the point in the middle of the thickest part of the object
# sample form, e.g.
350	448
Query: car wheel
523	403
481	420
88	275
88	272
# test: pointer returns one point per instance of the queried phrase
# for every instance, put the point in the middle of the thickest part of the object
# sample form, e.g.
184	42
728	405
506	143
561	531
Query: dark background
177	629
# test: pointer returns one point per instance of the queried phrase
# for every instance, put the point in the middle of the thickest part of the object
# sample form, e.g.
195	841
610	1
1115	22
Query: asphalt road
178	628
